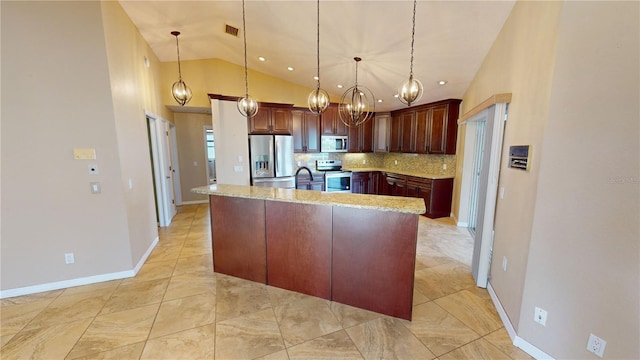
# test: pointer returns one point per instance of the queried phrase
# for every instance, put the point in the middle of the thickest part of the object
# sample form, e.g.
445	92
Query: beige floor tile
500	339
67	308
337	345
194	249
164	253
387	338
132	351
192	344
236	297
280	297
349	316
135	295
479	349
248	336
14	317
196	263
305	320
440	331
52	342
152	271
113	284
47	295
278	355
184	313
191	284
418	297
438	281
115	330
5	339
475	311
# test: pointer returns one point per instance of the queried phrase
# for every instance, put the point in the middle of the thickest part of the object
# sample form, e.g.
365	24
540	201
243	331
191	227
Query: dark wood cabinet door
353	145
438	130
366	136
339	126
408	131
261	122
397	184
312	129
297	130
396	134
331	123
280	121
422	131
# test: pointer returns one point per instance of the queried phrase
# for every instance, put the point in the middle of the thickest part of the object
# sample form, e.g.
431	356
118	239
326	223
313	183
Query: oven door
337	181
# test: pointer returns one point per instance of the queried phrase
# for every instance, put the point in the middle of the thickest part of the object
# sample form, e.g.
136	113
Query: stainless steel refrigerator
272	163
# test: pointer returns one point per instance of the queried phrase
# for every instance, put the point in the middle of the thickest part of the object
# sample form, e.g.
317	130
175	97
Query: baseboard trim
79	281
195	202
517	340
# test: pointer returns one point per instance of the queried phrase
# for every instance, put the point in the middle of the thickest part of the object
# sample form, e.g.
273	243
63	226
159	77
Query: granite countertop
360	201
401	172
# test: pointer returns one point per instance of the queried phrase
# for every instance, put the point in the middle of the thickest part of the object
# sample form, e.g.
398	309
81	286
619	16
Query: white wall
231	146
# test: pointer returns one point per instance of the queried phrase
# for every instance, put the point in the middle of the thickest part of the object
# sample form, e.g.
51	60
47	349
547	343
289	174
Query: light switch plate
95	188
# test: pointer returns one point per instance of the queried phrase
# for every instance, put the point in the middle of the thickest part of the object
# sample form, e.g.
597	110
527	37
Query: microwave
333	143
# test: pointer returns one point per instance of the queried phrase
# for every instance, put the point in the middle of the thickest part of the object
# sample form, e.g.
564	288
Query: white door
167	172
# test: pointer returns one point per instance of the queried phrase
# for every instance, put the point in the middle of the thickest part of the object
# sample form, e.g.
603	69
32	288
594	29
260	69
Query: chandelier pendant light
357	103
247	105
180	91
318	99
411	91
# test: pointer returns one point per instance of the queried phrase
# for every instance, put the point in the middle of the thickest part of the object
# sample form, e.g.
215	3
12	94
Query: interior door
167	173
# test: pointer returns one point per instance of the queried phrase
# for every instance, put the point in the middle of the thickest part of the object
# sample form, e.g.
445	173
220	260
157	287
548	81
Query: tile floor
177	308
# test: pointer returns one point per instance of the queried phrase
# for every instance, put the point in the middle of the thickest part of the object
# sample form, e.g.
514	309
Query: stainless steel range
335	180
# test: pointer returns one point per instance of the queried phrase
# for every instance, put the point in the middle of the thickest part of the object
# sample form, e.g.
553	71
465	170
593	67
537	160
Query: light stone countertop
360	201
399	171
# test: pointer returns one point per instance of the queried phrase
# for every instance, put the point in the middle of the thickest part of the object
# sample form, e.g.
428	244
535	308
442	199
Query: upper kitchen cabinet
272	118
426	129
361	138
306	131
331	123
381	130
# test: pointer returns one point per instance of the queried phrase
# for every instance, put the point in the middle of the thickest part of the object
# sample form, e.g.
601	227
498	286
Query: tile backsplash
414	163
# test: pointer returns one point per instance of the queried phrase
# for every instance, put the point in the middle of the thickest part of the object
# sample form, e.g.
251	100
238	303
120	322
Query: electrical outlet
364	161
444	166
540	316
596	345
395	162
69	258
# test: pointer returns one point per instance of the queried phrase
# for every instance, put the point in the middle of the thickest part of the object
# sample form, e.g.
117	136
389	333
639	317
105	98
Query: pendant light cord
413	35
178	48
318	41
244	35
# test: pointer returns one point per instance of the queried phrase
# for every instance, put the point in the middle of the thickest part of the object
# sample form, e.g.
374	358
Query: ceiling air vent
231	30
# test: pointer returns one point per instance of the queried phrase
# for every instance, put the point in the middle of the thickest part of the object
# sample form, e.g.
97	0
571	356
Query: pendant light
318	99
247	105
411	90
180	91
356	105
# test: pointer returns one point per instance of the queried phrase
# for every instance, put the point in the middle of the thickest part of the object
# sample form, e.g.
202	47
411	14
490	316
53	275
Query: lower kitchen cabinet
364	182
437	193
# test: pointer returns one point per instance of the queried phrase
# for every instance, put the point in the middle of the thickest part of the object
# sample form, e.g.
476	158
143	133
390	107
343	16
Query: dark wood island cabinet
354	249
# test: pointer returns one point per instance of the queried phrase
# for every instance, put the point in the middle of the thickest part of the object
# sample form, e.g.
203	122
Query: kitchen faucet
298	172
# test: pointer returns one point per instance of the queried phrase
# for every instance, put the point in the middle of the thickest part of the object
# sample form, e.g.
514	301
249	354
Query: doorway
210	149
158	132
480	175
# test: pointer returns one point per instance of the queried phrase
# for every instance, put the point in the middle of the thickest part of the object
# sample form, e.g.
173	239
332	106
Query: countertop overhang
359	201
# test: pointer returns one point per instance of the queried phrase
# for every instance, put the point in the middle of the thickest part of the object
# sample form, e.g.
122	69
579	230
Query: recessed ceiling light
442	82
315	78
379	100
261	58
290	68
395	96
339	86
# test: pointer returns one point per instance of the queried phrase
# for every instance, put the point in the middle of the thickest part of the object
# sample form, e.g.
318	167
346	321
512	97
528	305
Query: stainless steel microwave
330	143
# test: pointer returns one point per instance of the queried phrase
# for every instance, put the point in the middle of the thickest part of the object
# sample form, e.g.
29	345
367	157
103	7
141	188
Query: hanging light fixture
357	103
411	90
180	91
318	99
247	105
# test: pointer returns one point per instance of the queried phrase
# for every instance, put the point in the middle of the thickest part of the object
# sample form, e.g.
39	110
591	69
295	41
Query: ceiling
451	40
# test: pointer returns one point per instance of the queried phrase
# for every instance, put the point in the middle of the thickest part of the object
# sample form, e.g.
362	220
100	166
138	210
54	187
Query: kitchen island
354	249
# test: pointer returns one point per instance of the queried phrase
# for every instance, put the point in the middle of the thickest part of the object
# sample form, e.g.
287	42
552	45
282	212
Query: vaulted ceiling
451	40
